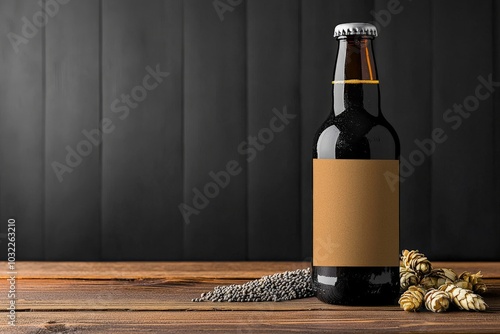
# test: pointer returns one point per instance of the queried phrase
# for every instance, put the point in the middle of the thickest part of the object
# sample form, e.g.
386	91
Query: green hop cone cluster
411	299
471	281
438	277
464	299
437	288
437	300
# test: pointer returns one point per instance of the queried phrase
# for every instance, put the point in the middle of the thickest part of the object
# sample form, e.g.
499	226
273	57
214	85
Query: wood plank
190	270
317	59
326	321
462	167
405	70
72	199
139	295
145	270
162	305
21	131
274	161
167	295
142	168
214	125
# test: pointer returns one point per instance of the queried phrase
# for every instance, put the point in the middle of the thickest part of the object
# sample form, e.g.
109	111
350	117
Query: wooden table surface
139	297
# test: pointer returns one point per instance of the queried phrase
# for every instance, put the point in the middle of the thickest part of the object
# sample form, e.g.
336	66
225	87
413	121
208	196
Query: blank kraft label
355	213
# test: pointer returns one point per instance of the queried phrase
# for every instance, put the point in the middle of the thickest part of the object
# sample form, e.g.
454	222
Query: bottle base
357	286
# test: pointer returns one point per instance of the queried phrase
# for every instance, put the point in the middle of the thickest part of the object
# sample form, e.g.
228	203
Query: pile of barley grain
278	287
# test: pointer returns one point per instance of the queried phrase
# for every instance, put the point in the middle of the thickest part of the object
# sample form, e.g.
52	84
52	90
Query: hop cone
472	282
412	299
464	299
407	278
437	301
416	261
438	277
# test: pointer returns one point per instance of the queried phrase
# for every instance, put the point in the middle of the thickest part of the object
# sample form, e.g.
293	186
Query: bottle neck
355	80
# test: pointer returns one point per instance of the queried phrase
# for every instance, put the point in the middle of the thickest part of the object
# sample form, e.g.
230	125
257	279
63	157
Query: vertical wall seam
431	160
494	65
183	147
101	114
183	126
299	105
247	133
44	140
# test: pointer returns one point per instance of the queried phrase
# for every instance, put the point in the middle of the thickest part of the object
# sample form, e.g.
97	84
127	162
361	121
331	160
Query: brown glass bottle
355	198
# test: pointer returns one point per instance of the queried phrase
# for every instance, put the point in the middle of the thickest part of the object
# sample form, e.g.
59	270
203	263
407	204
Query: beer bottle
356	183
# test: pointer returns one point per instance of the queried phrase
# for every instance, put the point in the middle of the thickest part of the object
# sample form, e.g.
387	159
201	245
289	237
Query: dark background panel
72	194
463	187
495	228
317	58
142	156
135	196
215	122
406	101
21	131
273	166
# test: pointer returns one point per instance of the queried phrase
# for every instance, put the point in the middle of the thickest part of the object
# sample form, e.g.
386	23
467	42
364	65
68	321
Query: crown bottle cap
355	28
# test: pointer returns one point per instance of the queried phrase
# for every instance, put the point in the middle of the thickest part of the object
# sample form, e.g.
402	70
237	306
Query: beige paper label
355	213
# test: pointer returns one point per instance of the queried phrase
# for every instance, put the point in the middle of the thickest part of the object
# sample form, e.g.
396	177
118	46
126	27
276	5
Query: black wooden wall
227	72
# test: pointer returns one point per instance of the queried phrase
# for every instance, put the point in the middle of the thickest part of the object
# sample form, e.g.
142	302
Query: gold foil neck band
356	81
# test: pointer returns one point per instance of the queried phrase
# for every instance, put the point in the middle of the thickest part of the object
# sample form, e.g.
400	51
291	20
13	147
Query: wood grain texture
214	125
205	271
168	295
317	60
462	196
147	302
72	107
345	321
142	156
406	102
273	162
22	131
147	270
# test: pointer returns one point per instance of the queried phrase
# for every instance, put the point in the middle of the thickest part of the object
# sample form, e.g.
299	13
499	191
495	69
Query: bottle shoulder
356	134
